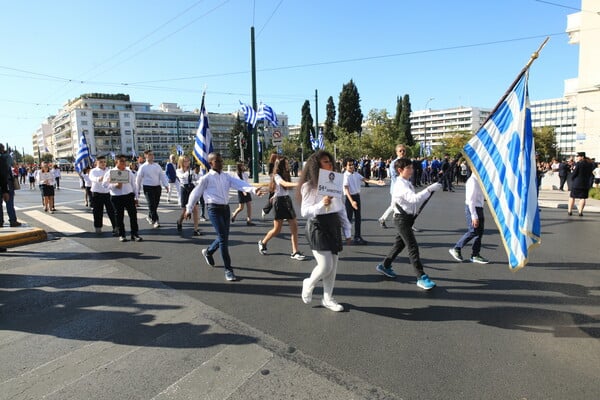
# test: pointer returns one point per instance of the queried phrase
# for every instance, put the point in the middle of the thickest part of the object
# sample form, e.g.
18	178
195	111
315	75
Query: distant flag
203	145
266	112
179	150
502	155
249	114
313	142
83	155
113	155
321	140
133	154
46	150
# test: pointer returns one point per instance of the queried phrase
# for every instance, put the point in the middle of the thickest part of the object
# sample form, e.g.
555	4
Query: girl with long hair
284	210
326	216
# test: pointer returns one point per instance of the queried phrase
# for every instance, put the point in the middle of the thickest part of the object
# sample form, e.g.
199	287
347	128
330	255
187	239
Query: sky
441	53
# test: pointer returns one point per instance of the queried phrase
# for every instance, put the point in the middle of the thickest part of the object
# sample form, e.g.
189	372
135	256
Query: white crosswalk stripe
57	223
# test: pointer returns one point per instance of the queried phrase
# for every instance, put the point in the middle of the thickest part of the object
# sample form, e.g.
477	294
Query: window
84	123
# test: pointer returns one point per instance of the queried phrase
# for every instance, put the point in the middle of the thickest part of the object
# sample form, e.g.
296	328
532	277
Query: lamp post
425	127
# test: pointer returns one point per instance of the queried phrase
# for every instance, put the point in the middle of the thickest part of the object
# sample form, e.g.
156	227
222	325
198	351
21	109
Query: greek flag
179	150
133	154
83	155
321	140
249	113
502	155
113	155
203	144
46	150
266	112
313	142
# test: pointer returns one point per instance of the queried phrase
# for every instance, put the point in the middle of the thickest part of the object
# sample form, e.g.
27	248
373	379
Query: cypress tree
350	115
328	132
306	127
405	127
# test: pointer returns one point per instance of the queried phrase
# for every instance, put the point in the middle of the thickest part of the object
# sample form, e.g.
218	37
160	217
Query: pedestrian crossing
84	221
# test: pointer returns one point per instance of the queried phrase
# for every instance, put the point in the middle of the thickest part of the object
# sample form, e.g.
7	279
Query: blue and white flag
313	142
46	150
321	140
502	155
249	114
133	154
113	155
203	144
82	158
267	113
179	150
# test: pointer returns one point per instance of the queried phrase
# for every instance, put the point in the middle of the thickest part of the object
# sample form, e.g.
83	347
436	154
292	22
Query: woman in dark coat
581	179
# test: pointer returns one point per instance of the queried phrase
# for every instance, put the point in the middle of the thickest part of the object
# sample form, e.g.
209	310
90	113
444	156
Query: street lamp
425	127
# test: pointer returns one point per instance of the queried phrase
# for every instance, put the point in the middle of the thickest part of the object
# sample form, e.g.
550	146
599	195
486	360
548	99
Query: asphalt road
484	332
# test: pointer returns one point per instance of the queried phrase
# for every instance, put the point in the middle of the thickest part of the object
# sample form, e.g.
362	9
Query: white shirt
404	195
473	196
46	178
151	175
279	190
596	172
184	176
94	175
125	188
352	180
312	205
215	188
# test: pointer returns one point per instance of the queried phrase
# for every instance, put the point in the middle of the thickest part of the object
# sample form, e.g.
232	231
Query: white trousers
326	270
173	190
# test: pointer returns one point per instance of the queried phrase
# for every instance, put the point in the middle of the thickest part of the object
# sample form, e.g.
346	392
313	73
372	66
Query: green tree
47	157
381	139
452	143
28	159
306	128
404	124
330	121
545	142
399	138
350	115
234	138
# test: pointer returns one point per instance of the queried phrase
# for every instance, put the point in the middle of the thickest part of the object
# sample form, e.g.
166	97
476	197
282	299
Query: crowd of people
112	191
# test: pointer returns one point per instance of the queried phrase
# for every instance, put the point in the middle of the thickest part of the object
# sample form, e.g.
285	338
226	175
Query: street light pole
425	128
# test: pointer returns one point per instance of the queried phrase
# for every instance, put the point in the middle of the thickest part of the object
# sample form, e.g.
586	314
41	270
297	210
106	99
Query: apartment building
561	115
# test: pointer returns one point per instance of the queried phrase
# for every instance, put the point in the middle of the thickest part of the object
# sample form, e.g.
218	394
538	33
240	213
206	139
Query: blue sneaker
425	283
389	272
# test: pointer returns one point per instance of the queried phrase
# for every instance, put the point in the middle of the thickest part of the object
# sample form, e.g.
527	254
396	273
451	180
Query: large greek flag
203	145
82	158
321	140
502	155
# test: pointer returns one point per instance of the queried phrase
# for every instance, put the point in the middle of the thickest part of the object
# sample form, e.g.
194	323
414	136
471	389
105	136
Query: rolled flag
203	143
249	114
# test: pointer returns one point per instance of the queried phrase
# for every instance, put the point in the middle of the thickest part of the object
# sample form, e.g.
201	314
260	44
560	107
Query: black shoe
122	239
415	229
136	238
179	225
197	232
208	258
115	232
359	240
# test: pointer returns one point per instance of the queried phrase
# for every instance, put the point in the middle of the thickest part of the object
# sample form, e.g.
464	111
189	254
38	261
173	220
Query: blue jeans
10	208
219	218
472	233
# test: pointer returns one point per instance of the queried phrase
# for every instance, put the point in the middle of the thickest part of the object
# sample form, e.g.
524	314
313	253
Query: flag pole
533	57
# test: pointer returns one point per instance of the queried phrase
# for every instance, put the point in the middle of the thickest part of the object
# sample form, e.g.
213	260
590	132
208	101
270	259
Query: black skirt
284	208
47	190
324	233
184	194
244	197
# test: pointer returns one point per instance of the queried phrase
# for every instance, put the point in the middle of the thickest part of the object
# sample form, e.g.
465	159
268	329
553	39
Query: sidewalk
75	325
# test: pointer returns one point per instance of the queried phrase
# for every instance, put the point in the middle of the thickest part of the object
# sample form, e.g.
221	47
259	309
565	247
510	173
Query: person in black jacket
581	179
564	169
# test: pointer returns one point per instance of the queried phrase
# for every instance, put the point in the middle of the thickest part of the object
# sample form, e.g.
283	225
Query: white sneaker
156	224
306	292
298	256
262	248
262	214
332	305
149	220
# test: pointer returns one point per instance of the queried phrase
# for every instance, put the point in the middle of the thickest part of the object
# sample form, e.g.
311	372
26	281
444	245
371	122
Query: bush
595	193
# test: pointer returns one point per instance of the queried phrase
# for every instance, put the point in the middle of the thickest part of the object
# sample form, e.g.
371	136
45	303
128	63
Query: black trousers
120	204
101	201
351	212
405	238
152	194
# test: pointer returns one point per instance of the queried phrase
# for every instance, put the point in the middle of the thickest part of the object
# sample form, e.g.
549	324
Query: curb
12	237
